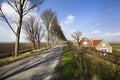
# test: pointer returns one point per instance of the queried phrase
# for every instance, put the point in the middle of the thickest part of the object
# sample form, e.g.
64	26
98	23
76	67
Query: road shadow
48	59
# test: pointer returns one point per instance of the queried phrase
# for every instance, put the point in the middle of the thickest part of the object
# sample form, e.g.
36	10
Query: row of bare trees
54	31
35	32
32	27
21	8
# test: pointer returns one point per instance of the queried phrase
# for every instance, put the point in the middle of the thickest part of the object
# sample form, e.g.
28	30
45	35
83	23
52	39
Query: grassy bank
69	69
9	60
99	69
95	68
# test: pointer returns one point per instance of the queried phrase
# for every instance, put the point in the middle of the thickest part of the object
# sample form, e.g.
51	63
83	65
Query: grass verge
9	60
99	69
69	69
95	68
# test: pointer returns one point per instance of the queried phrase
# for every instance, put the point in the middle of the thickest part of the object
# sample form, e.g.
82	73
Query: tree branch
4	18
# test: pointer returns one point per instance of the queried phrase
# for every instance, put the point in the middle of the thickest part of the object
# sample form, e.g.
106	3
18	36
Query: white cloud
9	12
107	34
69	19
95	32
8	36
62	26
117	34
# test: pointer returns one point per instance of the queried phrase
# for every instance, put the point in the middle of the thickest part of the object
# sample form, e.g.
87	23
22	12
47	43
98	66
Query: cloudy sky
96	19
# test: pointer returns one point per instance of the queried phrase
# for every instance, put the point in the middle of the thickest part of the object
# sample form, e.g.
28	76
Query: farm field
9	47
115	46
6	49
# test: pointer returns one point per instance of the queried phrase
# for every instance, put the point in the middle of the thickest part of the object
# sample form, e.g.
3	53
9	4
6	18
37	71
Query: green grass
115	45
9	60
99	69
95	68
69	69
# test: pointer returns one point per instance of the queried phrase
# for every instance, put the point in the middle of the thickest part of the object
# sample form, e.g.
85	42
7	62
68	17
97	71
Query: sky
96	19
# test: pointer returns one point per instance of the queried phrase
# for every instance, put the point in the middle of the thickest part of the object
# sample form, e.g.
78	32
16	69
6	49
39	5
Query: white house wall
106	46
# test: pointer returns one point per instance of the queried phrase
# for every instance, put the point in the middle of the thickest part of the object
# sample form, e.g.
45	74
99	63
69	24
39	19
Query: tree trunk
78	44
18	35
33	46
38	44
17	44
48	38
17	40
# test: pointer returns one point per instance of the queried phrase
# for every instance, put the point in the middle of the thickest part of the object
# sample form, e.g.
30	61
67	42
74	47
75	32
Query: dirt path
37	67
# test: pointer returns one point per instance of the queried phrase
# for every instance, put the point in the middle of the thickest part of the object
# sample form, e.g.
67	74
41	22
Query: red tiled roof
96	42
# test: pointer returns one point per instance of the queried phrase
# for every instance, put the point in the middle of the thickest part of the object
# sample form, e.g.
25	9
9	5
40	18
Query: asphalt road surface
37	67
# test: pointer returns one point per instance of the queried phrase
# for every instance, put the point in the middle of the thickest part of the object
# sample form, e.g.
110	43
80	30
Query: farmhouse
101	45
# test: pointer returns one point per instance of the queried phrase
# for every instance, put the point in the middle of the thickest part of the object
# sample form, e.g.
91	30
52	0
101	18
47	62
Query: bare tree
56	31
33	31
77	36
29	29
40	32
47	17
53	30
21	7
61	34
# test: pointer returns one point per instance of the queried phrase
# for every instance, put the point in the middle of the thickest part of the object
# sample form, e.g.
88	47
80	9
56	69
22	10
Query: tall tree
21	7
33	31
53	30
29	29
61	34
56	31
47	17
77	36
40	32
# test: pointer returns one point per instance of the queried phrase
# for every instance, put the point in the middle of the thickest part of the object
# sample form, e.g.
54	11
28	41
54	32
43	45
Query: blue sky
96	19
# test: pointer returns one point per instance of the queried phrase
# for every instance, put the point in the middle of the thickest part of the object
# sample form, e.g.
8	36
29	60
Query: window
84	42
104	50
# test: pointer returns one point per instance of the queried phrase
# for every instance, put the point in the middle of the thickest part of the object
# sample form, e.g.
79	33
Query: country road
37	67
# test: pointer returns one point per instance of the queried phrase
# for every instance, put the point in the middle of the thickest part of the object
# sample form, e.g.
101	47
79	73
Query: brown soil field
8	47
